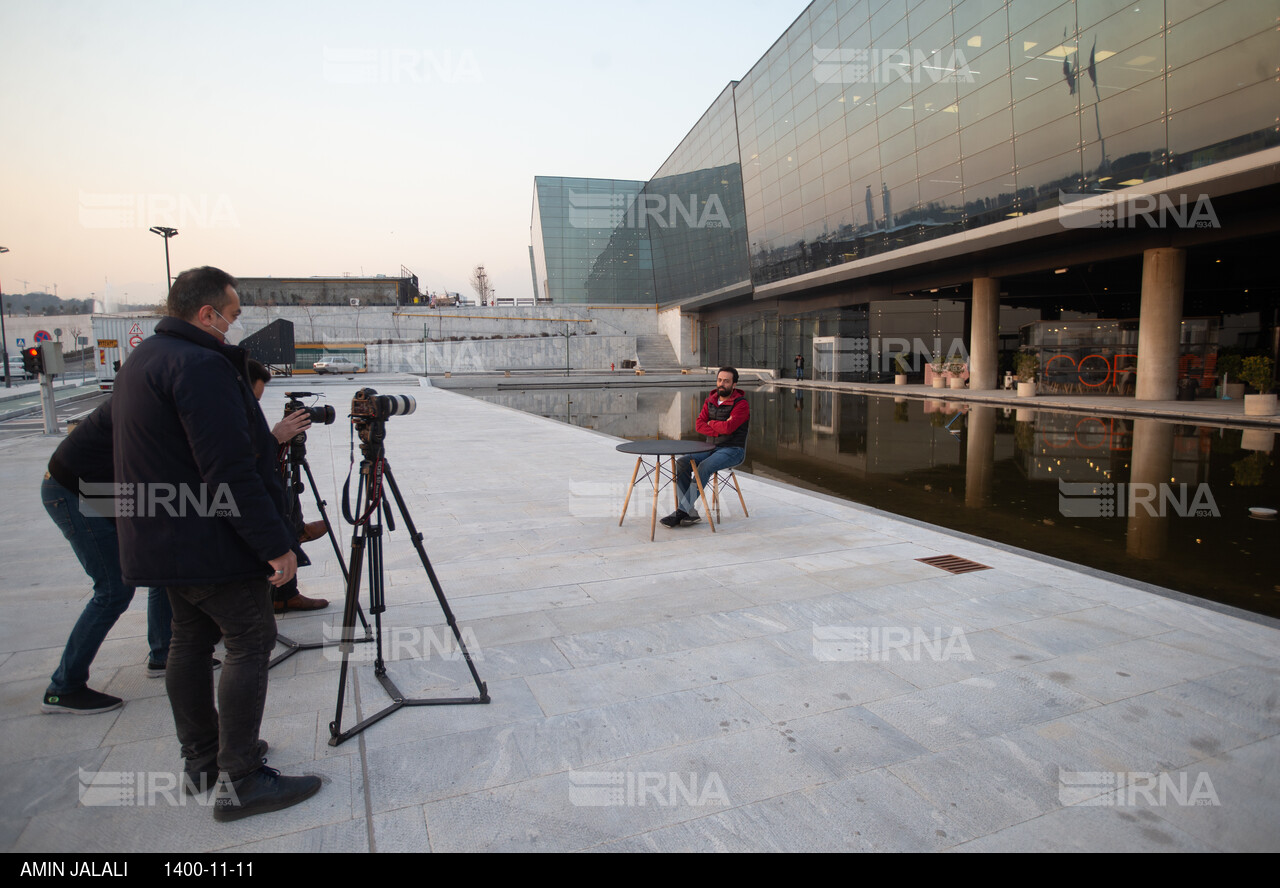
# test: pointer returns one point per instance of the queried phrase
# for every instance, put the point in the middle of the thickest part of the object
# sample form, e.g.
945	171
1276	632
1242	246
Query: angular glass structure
877	139
584	250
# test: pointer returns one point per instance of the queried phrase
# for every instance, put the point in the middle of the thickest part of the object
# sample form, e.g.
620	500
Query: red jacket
725	423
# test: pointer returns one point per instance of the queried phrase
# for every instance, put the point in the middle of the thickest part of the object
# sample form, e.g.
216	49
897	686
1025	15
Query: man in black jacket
80	468
207	525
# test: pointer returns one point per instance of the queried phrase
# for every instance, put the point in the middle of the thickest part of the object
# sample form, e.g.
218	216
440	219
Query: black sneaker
690	519
85	701
261	792
675	519
201	780
156	670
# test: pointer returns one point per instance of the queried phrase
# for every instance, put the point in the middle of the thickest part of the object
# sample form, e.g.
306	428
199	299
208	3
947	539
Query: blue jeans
717	460
240	614
93	539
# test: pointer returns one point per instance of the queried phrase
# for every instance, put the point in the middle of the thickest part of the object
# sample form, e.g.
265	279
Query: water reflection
1160	502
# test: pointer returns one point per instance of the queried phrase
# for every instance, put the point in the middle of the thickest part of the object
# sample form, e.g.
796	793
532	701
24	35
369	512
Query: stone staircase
655	354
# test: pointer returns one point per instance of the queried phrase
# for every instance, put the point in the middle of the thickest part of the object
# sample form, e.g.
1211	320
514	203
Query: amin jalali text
75	868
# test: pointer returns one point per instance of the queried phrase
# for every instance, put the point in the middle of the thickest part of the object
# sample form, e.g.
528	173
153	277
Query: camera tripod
368	537
293	462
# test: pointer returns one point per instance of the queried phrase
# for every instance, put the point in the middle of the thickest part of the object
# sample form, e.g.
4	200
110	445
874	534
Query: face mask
234	332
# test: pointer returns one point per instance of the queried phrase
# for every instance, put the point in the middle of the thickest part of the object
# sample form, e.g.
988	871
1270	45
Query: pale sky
310	138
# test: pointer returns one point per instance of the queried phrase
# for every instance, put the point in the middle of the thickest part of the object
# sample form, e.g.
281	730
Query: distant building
319	290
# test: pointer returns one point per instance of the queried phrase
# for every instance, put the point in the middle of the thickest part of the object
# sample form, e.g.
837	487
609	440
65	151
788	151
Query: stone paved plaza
796	681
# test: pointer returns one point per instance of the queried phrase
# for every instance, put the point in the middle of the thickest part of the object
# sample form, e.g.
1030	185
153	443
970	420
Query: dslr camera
367	406
323	415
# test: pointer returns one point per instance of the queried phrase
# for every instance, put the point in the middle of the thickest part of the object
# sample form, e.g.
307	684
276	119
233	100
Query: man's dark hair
729	370
258	373
196	288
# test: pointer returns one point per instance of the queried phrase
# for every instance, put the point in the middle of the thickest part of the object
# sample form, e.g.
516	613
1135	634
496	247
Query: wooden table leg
630	486
653	517
703	494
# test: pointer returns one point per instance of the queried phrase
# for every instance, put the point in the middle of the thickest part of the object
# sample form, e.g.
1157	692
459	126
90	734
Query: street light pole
165	233
4	338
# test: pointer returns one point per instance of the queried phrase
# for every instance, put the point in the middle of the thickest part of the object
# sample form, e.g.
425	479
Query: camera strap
376	486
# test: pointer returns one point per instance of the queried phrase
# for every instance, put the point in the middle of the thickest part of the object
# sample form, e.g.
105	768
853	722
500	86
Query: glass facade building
583	249
872	126
919	127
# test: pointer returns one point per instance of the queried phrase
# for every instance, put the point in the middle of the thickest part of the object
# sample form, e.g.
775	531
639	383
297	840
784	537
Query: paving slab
794	681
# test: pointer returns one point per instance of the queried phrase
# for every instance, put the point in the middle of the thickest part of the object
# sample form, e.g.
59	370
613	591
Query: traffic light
32	360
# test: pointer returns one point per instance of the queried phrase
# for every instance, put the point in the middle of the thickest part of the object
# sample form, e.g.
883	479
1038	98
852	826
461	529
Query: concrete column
984	337
1146	529
1160	323
980	456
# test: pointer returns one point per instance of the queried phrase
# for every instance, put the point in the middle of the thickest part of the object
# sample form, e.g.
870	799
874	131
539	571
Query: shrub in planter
1027	365
1257	372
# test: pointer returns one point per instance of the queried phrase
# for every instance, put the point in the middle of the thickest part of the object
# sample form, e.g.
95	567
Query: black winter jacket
188	429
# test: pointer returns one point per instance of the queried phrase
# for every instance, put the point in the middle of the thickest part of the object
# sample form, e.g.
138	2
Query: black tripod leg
320	505
350	607
290	646
377	594
372	469
416	537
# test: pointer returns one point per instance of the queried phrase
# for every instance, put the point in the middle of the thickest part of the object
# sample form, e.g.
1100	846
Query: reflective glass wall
584	251
874	124
704	250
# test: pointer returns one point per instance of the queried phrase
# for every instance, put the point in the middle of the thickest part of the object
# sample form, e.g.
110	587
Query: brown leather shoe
312	530
301	602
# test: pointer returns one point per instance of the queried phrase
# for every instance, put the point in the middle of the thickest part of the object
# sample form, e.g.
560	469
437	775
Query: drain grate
953	564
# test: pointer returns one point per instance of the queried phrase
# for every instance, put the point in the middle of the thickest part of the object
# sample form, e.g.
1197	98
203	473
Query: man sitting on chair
724	419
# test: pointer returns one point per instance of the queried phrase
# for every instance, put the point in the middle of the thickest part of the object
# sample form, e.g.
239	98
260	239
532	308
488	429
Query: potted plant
900	365
939	368
1229	367
955	371
1027	365
1257	373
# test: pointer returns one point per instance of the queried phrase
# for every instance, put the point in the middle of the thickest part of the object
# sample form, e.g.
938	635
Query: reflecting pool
1160	502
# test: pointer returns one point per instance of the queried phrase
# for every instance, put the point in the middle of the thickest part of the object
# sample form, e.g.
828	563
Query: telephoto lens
396	405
